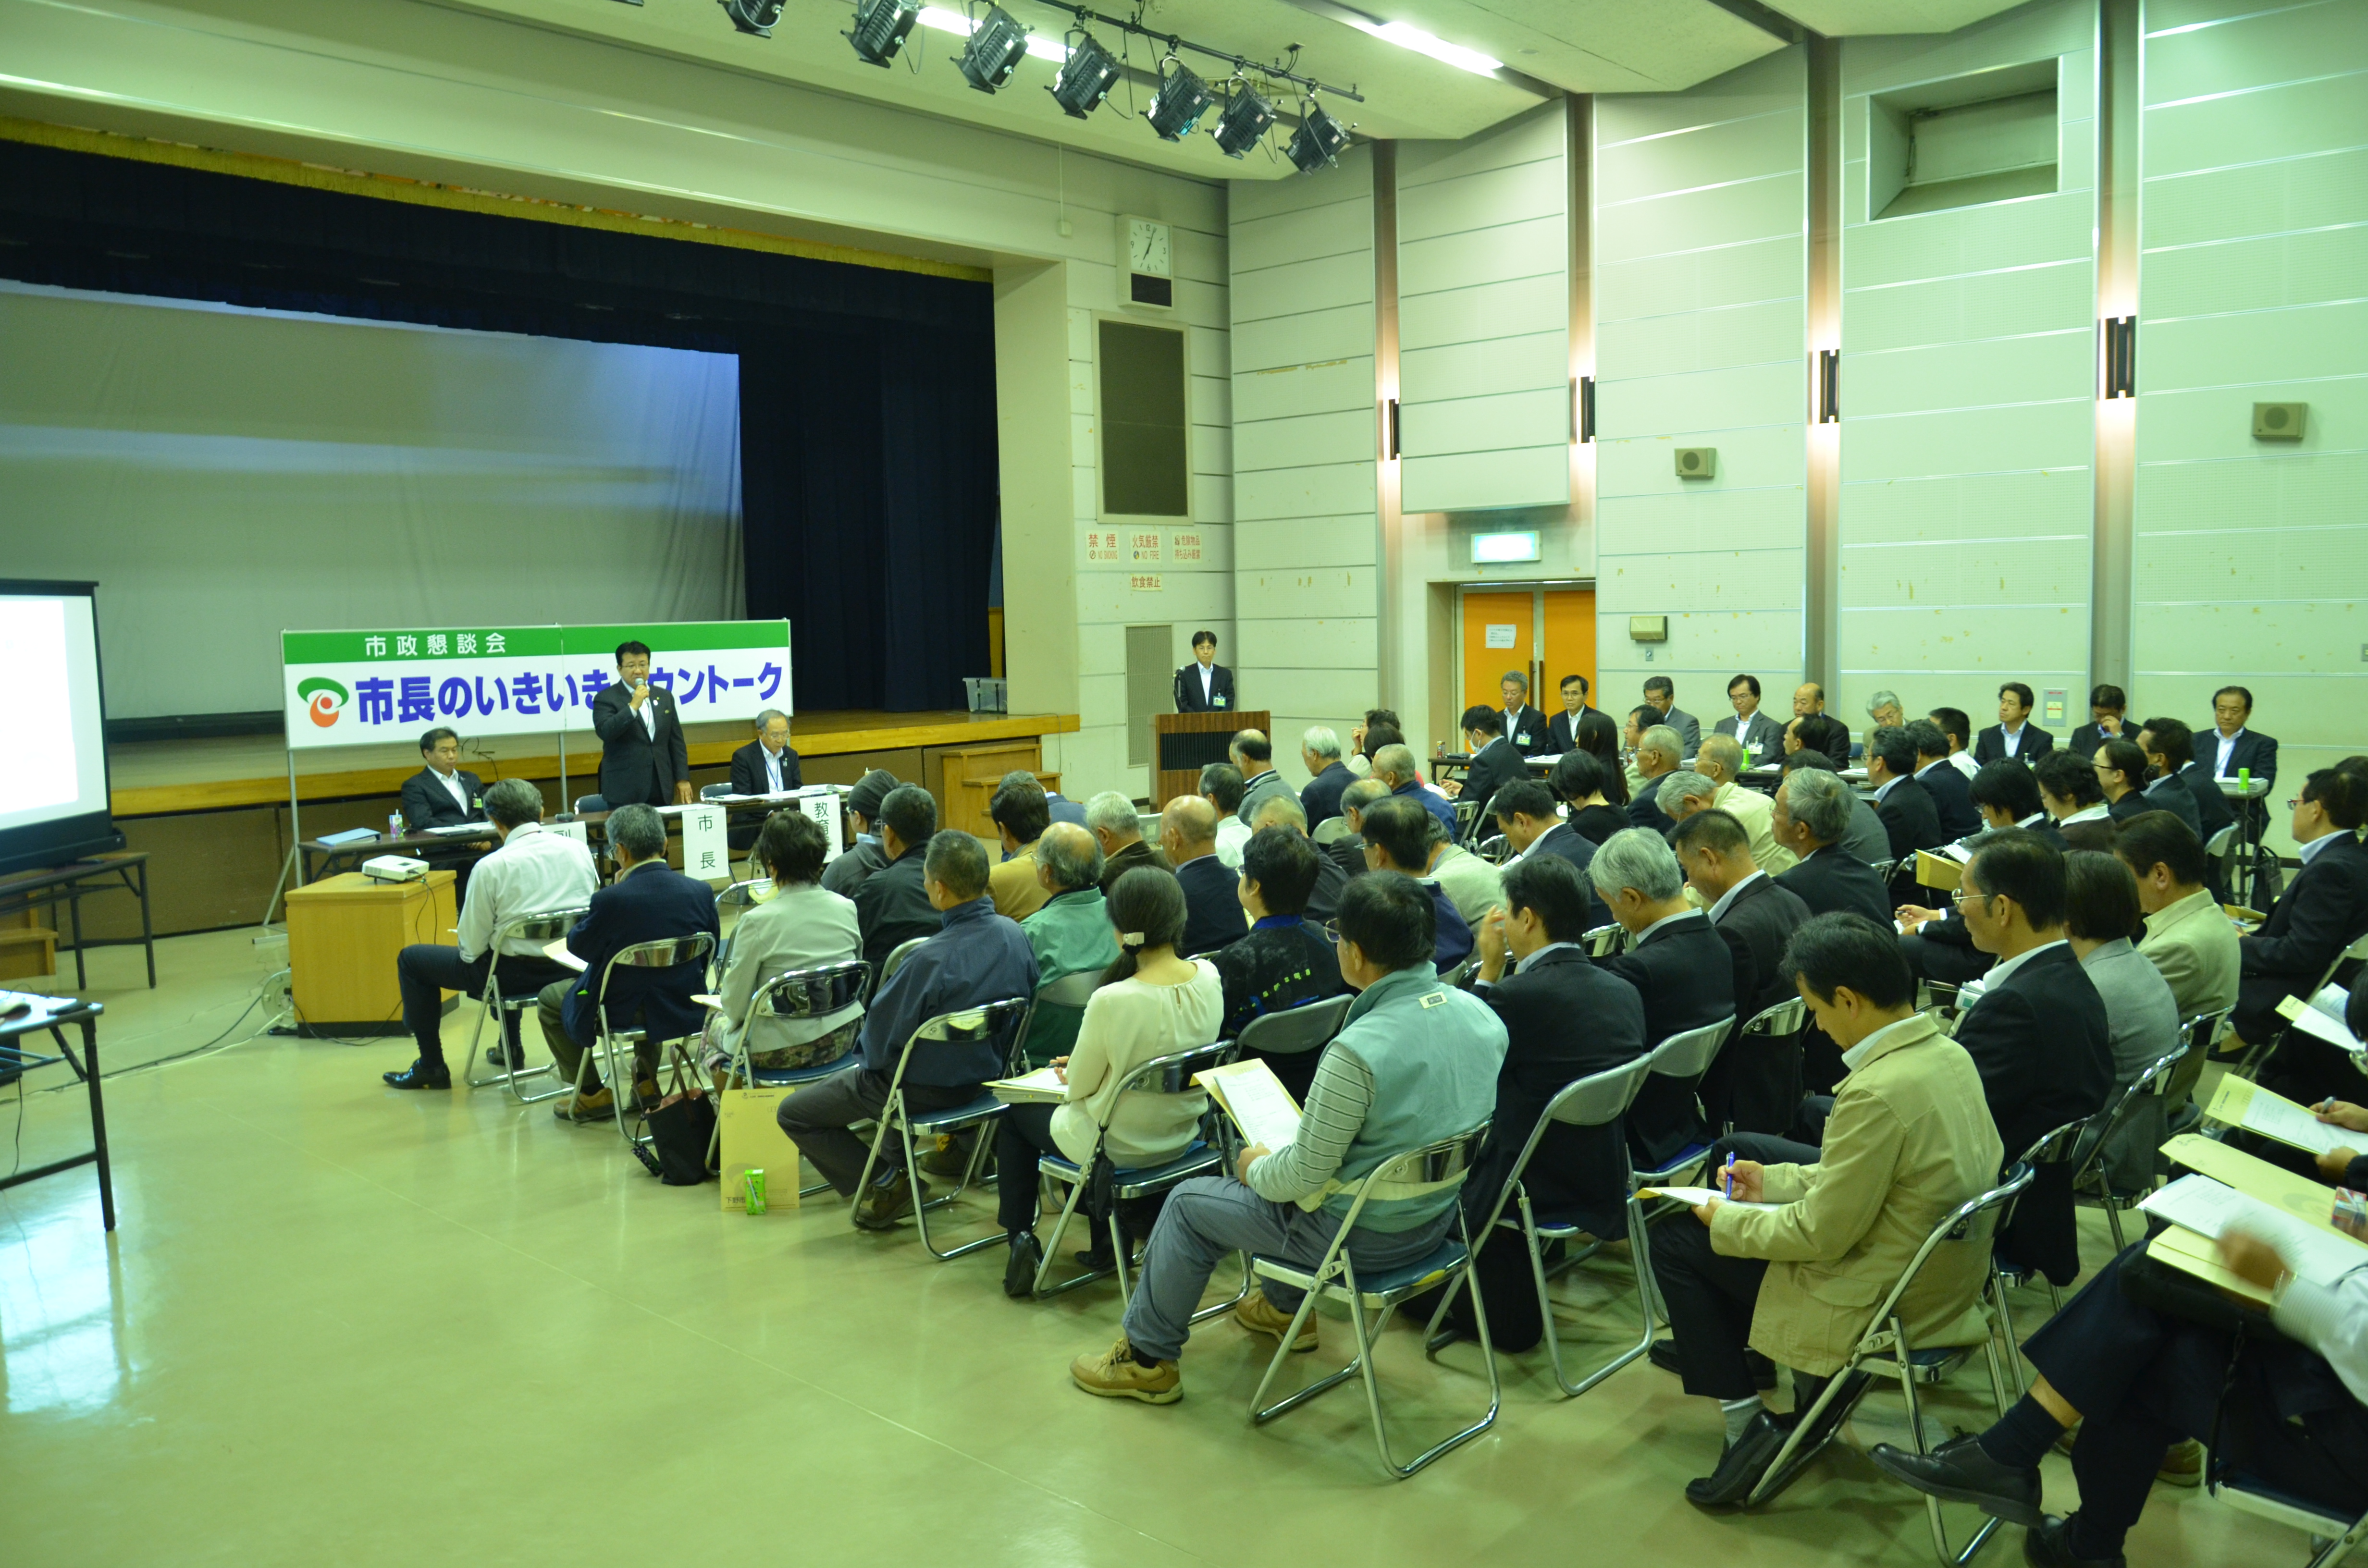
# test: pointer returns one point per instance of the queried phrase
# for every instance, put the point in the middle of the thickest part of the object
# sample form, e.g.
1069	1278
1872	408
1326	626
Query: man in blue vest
1415	1063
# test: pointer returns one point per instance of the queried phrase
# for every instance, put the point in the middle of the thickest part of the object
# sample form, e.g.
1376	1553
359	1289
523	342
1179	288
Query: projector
394	869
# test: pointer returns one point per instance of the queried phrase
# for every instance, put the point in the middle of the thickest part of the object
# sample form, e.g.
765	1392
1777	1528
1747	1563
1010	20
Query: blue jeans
1208	1217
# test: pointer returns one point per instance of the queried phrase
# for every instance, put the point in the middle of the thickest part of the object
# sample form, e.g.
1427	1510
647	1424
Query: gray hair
1069	856
511	801
1820	803
1278	809
1723	751
1398	762
1114	814
1673	788
1883	699
638	831
1318	740
1363	793
1640	859
1663	740
767	716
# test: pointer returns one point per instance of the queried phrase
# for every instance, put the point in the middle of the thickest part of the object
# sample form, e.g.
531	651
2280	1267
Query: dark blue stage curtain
867	396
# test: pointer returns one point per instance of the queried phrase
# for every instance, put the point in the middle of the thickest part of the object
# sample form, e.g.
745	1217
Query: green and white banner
344	689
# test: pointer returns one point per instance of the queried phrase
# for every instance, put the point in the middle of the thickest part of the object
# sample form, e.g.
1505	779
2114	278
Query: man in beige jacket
2187	936
1721	762
1793	1269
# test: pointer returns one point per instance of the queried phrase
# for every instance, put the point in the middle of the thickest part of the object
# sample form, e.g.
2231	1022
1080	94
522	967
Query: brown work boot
597	1106
2183	1465
881	1205
1116	1374
1259	1315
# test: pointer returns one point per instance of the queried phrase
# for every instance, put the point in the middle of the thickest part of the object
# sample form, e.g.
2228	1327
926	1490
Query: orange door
1569	646
1499	635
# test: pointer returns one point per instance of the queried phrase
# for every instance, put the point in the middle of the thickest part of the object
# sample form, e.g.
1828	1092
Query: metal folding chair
896	957
1605	940
1067	994
1309	1027
713	792
2333	1536
1495	849
612	1042
1331	829
541	929
732	902
795	993
1686	1054
1171	1074
1974	1223
1467	812
1008	1018
2059	1147
1779	1028
1454	979
2092	1181
1598	1100
2201	1033
1435	1167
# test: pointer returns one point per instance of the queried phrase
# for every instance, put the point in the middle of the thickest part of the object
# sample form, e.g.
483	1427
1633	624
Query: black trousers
2143	1375
425	972
816	1119
1943	962
1025	1132
2307	1070
1711	1300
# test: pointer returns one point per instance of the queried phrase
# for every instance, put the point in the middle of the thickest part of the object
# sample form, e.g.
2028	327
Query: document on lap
2209	1209
1259	1105
2322	1016
1695	1197
2240	1103
1044	1086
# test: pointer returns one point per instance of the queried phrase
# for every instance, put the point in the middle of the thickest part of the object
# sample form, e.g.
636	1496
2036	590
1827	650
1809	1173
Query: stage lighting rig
1086	77
879	29
996	47
1319	140
756	16
1180	102
1244	121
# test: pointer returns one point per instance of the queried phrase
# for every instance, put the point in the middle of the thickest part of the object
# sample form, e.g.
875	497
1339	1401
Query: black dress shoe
1959	1471
419	1076
2049	1545
1664	1355
1739	1469
1019	1268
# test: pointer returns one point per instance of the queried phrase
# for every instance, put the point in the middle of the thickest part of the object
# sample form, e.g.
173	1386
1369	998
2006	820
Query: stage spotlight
993	51
1086	77
1180	102
756	16
1318	142
1245	120
880	28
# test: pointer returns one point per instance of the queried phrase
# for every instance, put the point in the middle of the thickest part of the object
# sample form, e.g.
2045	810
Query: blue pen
1729	1173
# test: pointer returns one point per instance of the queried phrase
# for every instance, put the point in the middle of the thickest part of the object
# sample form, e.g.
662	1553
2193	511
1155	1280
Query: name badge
1436	999
1220	701
1521	739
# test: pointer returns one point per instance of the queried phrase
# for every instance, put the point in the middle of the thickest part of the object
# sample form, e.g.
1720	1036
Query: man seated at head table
977	957
2014	736
1761	738
1397	837
1661	696
1324	899
1187	834
1791	1283
1415	1063
1070	932
443	793
767	765
2106	705
892	906
1221	786
1117	827
1020	812
649	901
1284	961
1678	964
1883	710
533	872
856	863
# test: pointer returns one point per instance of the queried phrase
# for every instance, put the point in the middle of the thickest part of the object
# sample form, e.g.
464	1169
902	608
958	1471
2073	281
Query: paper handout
1044	1086
2240	1103
1259	1105
2209	1208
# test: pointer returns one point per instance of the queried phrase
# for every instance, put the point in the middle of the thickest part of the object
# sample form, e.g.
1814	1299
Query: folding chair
1171	1074
1495	849
1467	812
795	993
2356	951
1067	994
1331	829
1777	1029
2055	1148
1454	979
2092	1182
713	792
2200	1033
1686	1054
1309	1027
736	900
541	929
1438	1168
1598	1100
1605	940
2333	1536
1975	1221
612	1041
896	957
985	1021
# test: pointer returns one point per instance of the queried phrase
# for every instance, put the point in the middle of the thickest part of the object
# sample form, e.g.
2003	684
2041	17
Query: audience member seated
802	926
1586	784
1794	1281
2101	910
1600	738
1937	945
1319	753
1019	811
1864	838
854	865
2187	936
1397	839
1681	967
2014	737
1959	731
1661	695
1951	796
2170	746
1562	729
893	905
1324	900
1755	917
1396	766
1820	732
1252	752
1284	961
1069	933
2006	795
1886	711
1415	1063
1496	761
1151	1004
2037	1030
2144	1357
1910	820
1347	851
2107	704
977	957
1472	884
1111	818
1720	761
1681	794
1812	812
1657	758
1064	808
1381	728
1761	738
533	872
2071	792
1525	815
1565	1018
1221	786
1188	834
2322	911
2120	769
649	901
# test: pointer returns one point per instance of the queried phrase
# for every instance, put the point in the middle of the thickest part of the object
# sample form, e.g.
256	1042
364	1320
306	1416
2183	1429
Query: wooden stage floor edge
813	735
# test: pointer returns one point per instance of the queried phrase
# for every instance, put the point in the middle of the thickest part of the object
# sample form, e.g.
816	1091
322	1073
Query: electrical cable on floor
16	1162
219	1042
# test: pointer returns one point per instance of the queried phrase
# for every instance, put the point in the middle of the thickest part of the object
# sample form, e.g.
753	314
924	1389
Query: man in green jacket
1416	1062
1070	935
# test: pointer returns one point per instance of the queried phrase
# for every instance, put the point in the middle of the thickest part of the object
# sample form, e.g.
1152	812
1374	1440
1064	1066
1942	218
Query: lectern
1183	744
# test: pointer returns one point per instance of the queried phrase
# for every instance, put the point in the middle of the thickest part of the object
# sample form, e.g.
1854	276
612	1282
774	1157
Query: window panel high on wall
1701	240
2253	216
1968	376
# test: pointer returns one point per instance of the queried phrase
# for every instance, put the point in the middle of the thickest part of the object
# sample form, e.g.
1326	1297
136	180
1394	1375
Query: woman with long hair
1600	737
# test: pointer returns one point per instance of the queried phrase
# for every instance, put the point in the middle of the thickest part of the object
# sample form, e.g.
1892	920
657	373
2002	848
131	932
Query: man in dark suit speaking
643	759
443	793
1204	685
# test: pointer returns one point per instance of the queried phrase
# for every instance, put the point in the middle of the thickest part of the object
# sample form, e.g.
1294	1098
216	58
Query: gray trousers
1208	1217
568	1055
817	1119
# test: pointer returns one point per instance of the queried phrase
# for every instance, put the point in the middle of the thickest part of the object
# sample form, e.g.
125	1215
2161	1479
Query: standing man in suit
1754	918
766	766
1204	685
1319	753
443	793
2014	735
1212	908
1681	967
1762	738
1520	724
1497	760
1661	696
2325	910
1812	812
1952	797
2037	1032
1910	820
643	759
1561	730
2107	704
649	901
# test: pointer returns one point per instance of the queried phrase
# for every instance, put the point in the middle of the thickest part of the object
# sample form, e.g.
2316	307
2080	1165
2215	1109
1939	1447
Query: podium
1183	744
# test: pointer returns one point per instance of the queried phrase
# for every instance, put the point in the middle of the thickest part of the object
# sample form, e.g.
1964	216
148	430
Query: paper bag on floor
753	1137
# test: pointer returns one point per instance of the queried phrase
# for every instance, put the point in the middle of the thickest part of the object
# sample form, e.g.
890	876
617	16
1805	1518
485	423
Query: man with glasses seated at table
1414	1063
533	872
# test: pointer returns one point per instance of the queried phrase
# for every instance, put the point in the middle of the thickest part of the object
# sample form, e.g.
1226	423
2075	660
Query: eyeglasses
1331	929
1961	895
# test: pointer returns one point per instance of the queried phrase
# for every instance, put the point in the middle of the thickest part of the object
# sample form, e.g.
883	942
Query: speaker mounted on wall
1697	462
2279	421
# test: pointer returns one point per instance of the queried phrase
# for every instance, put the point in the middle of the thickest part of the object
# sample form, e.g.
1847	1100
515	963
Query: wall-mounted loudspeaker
1697	462
2279	421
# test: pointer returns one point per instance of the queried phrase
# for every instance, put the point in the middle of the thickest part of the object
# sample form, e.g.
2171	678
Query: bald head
1397	765
1068	857
1720	759
1187	829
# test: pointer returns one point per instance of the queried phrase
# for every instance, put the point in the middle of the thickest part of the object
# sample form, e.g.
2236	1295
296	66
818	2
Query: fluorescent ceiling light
1409	37
954	22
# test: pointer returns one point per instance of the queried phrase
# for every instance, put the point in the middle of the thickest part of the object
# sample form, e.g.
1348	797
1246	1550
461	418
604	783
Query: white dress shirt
650	714
2091	813
2006	967
2227	750
452	781
1208	682
535	871
772	766
2013	739
1963	761
2309	852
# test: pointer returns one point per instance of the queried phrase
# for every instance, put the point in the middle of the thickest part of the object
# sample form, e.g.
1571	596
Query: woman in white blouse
800	926
1151	1004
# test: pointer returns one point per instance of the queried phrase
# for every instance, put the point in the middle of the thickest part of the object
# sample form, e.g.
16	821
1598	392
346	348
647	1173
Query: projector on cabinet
394	869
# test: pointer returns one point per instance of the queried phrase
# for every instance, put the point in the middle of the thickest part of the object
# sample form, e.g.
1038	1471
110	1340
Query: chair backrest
2222	843
1883	870
1688	1052
1071	991
895	959
812	993
1172	1073
590	803
1598	1097
2117	1114
1605	939
1147	824
1495	849
741	895
1961	1223
1287	1033
2200	1031
1467	811
547	926
713	792
2057	1147
1331	829
1785	1018
1454	978
668	953
1006	1019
